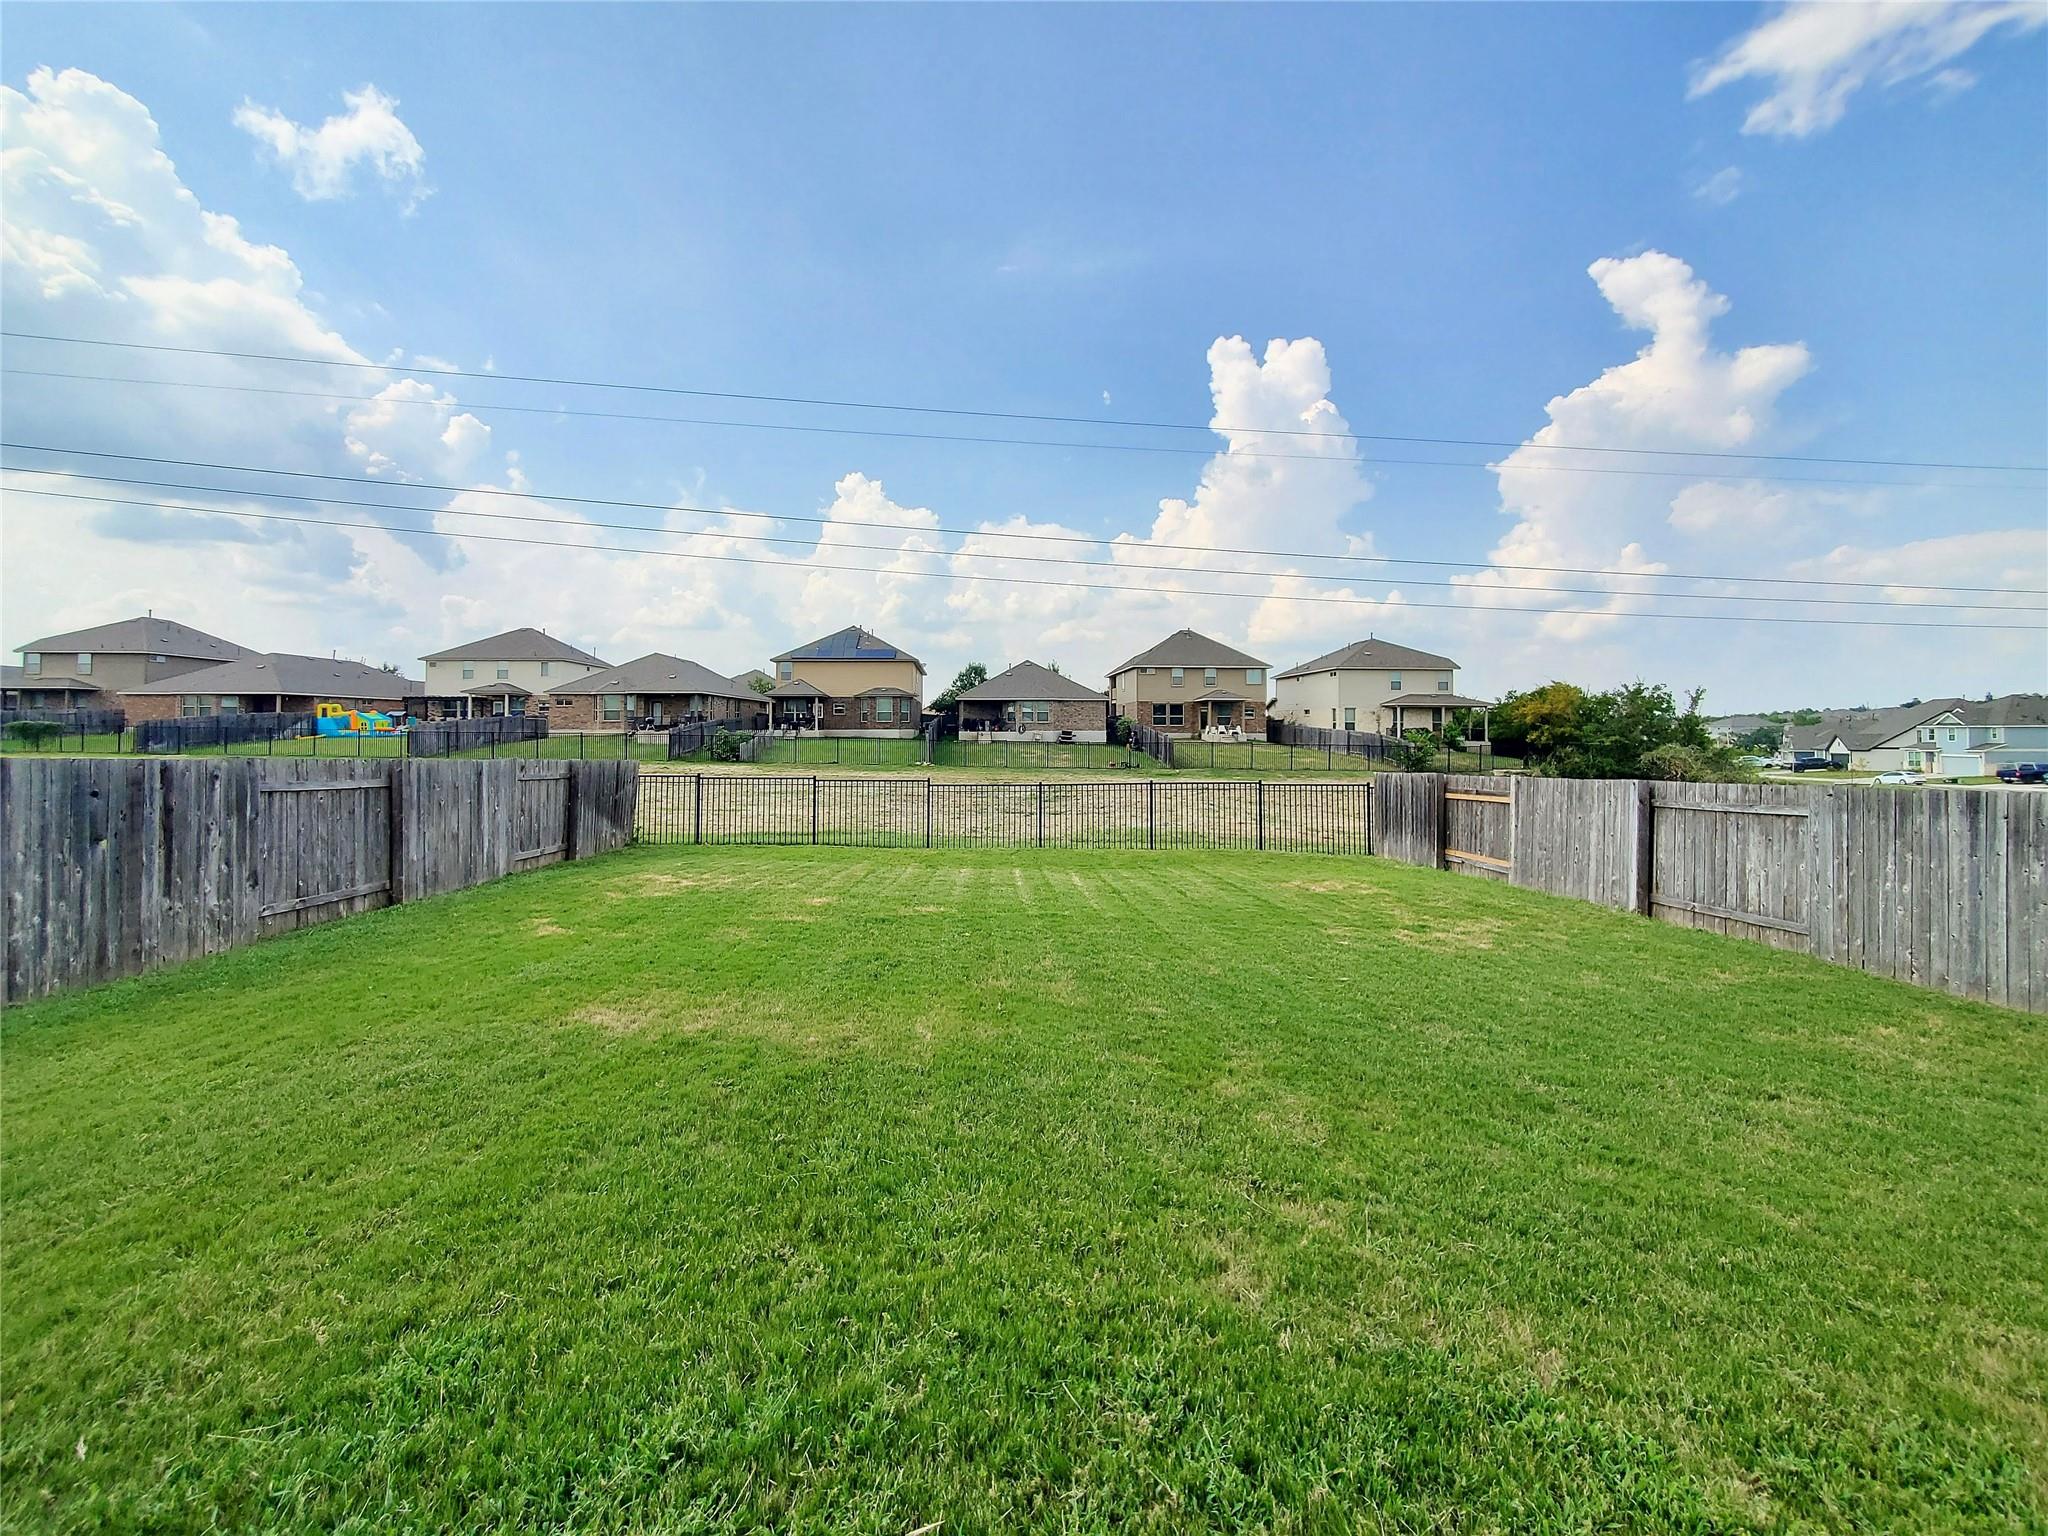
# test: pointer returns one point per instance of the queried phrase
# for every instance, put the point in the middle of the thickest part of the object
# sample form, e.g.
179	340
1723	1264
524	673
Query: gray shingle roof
1423	700
747	678
283	672
655	673
2013	709
1371	655
518	645
1028	680
1186	648
500	690
849	644
142	637
21	677
1862	729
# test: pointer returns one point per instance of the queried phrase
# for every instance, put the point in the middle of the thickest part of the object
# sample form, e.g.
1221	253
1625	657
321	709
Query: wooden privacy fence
111	867
1944	888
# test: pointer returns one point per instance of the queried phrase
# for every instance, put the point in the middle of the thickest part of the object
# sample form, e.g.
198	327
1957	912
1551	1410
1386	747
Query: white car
1899	776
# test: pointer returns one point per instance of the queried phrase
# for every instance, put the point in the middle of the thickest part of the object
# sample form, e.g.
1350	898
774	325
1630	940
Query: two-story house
500	675
1188	684
93	667
1372	685
849	683
1977	738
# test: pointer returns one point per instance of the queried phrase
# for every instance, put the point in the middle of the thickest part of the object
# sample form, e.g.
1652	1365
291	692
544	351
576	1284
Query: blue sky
1061	209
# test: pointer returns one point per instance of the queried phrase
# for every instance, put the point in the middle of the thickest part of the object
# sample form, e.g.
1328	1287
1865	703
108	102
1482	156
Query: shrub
1122	730
725	746
35	733
1415	752
1694	765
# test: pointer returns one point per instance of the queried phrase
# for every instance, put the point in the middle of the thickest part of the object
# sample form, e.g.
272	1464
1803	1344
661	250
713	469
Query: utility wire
988	415
1052	538
1154	589
804	429
968	554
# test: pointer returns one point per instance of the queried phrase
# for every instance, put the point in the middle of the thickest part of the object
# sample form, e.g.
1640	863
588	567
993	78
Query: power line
1052	538
1117	565
806	429
1153	589
989	415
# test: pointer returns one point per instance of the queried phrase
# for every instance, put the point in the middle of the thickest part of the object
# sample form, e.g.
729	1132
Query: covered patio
797	706
1432	711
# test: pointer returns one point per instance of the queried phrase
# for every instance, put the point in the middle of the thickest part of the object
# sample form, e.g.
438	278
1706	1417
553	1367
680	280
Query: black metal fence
444	738
187	733
94	722
904	812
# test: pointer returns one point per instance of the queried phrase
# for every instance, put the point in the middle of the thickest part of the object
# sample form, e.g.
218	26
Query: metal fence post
1260	785
814	808
1151	813
697	809
1041	813
927	813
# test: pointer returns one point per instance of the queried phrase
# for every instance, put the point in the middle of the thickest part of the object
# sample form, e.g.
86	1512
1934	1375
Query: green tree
1565	730
1766	738
973	675
762	685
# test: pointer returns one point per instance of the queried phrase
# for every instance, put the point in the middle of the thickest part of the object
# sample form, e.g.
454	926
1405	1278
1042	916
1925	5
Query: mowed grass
816	1189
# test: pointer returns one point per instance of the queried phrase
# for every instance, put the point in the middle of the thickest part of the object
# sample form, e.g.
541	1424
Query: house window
885	708
1443	685
230	704
1350	717
32	662
503	673
838	706
1254	675
1208	677
1251	713
1333	719
544	668
1395	685
785	670
195	704
1179	676
1036	712
611	706
1169	714
85	663
468	673
1148	671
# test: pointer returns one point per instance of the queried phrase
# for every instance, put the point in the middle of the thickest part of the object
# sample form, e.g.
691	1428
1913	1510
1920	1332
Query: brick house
1188	684
258	683
662	688
1028	702
849	683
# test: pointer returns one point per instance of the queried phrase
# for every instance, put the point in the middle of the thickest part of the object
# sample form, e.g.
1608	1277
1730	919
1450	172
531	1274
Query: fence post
1643	807
697	809
1151	814
1041	813
1260	785
814	808
396	829
927	813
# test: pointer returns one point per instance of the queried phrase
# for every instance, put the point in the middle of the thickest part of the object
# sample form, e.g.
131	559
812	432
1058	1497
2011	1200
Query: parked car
1753	761
2024	773
1900	776
1807	764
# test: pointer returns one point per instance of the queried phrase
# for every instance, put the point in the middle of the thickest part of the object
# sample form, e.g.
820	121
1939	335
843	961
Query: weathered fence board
116	866
1408	818
1734	858
1587	838
1479	825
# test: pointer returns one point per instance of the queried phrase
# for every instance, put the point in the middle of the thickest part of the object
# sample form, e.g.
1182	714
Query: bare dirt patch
1336	887
1470	933
545	928
660	883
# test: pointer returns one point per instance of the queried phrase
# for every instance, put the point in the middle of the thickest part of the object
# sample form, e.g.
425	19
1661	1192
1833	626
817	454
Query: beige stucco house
1371	685
108	660
849	683
1188	684
501	674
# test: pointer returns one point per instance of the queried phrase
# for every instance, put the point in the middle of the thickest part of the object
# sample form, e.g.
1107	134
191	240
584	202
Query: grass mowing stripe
831	1189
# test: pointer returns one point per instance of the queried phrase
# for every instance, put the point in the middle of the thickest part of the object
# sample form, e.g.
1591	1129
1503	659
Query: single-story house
661	688
257	683
1027	702
500	674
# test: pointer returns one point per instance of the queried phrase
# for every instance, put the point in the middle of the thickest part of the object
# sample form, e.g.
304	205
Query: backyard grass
816	1189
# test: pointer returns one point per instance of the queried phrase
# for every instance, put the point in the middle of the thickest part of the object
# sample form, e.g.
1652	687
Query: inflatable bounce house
340	720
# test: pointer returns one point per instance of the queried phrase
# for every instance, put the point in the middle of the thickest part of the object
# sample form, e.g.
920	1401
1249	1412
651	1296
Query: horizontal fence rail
442	738
187	733
114	866
902	812
94	722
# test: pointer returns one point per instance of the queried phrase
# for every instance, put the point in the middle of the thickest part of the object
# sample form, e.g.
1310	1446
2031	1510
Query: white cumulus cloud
323	160
1814	55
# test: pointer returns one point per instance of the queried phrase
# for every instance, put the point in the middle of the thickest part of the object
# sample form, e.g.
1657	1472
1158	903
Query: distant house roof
518	645
1422	700
282	672
2013	709
752	675
655	673
1186	648
1370	655
1863	729
849	644
1738	725
500	690
146	636
1028	680
1809	738
21	677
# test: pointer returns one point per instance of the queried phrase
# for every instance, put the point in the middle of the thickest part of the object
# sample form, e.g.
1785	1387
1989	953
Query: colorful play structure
340	720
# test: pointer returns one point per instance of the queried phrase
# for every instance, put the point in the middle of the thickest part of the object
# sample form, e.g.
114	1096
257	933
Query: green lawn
815	1189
